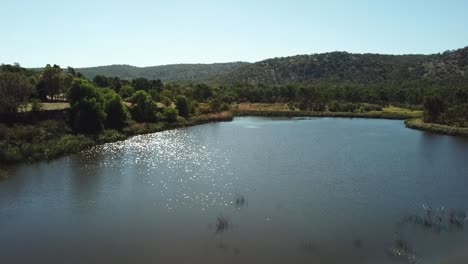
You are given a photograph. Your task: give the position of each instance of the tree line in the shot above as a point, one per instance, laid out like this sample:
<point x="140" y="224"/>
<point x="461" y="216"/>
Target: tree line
<point x="112" y="102"/>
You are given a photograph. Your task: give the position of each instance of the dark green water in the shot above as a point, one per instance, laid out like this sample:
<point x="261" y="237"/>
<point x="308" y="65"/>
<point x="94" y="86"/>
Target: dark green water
<point x="324" y="190"/>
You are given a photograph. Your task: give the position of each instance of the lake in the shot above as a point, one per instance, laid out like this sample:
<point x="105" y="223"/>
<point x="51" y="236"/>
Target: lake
<point x="255" y="190"/>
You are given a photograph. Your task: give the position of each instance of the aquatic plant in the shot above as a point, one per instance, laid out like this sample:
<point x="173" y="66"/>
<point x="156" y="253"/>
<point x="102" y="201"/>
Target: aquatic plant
<point x="222" y="224"/>
<point x="437" y="220"/>
<point x="240" y="201"/>
<point x="402" y="250"/>
<point x="456" y="219"/>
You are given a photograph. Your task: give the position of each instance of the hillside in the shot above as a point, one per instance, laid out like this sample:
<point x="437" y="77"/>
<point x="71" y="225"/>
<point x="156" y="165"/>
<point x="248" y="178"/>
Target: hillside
<point x="334" y="66"/>
<point x="347" y="67"/>
<point x="168" y="73"/>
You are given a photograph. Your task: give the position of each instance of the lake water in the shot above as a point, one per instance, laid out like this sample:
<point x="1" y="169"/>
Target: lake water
<point x="320" y="190"/>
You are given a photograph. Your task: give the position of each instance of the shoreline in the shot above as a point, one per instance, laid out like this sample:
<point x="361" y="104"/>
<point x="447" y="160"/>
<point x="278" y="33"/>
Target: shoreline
<point x="81" y="142"/>
<point x="110" y="136"/>
<point x="418" y="124"/>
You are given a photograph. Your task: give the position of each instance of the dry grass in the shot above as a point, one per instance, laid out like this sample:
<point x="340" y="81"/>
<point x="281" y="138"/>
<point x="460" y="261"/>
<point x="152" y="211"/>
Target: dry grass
<point x="49" y="106"/>
<point x="261" y="107"/>
<point x="245" y="109"/>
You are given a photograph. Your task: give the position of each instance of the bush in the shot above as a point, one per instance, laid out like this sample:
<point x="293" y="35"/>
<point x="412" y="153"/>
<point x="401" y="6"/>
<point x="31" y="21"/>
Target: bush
<point x="166" y="100"/>
<point x="215" y="105"/>
<point x="116" y="113"/>
<point x="170" y="115"/>
<point x="110" y="136"/>
<point x="69" y="144"/>
<point x="224" y="107"/>
<point x="12" y="154"/>
<point x="23" y="133"/>
<point x="143" y="108"/>
<point x="182" y="106"/>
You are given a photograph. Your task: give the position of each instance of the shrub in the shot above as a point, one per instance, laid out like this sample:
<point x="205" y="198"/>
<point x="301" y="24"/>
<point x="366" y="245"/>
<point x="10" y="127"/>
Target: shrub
<point x="215" y="105"/>
<point x="69" y="144"/>
<point x="12" y="154"/>
<point x="224" y="107"/>
<point x="170" y="114"/>
<point x="166" y="100"/>
<point x="182" y="106"/>
<point x="110" y="136"/>
<point x="23" y="133"/>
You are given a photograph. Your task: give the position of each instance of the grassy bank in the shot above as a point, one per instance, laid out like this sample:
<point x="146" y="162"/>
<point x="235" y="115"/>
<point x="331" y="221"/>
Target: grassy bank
<point x="281" y="110"/>
<point x="417" y="123"/>
<point x="53" y="138"/>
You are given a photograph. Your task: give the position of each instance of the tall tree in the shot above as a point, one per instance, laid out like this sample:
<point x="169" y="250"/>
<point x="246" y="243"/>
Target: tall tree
<point x="51" y="83"/>
<point x="15" y="90"/>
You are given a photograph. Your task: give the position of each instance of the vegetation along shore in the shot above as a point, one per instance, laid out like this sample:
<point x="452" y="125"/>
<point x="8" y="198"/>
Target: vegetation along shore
<point x="49" y="112"/>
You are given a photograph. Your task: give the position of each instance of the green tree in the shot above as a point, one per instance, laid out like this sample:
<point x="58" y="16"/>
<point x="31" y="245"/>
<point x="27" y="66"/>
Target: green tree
<point x="433" y="108"/>
<point x="202" y="92"/>
<point x="126" y="91"/>
<point x="51" y="83"/>
<point x="88" y="116"/>
<point x="82" y="89"/>
<point x="101" y="81"/>
<point x="15" y="90"/>
<point x="87" y="107"/>
<point x="116" y="113"/>
<point x="182" y="106"/>
<point x="143" y="108"/>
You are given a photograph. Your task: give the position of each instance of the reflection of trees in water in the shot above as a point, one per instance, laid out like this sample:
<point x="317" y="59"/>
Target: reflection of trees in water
<point x="87" y="170"/>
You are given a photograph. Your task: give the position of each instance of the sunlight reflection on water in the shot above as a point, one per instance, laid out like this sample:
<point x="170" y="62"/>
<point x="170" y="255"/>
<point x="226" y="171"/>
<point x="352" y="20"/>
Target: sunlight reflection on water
<point x="181" y="168"/>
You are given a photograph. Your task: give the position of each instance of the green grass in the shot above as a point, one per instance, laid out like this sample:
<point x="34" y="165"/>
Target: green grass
<point x="417" y="123"/>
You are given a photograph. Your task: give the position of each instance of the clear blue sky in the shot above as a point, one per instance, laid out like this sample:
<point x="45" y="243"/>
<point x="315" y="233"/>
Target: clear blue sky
<point x="149" y="32"/>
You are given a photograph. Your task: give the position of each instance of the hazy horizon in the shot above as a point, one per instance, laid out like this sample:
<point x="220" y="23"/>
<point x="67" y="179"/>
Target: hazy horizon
<point x="144" y="33"/>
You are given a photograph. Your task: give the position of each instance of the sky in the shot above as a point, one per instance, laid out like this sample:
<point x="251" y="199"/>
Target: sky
<point x="83" y="33"/>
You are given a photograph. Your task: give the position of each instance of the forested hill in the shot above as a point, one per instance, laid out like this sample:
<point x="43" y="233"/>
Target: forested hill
<point x="167" y="73"/>
<point x="348" y="67"/>
<point x="339" y="67"/>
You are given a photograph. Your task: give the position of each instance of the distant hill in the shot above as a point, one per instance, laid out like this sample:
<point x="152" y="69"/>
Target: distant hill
<point x="168" y="73"/>
<point x="336" y="67"/>
<point x="348" y="67"/>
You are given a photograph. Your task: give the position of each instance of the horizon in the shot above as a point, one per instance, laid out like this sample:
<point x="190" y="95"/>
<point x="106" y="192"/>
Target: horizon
<point x="146" y="34"/>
